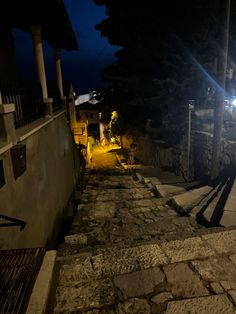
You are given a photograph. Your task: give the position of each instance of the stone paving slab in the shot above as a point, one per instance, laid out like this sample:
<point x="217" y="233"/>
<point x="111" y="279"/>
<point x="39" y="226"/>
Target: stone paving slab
<point x="231" y="200"/>
<point x="232" y="293"/>
<point x="95" y="294"/>
<point x="187" y="249"/>
<point x="209" y="203"/>
<point x="120" y="194"/>
<point x="222" y="242"/>
<point x="133" y="306"/>
<point x="144" y="203"/>
<point x="97" y="210"/>
<point x="215" y="304"/>
<point x="121" y="261"/>
<point x="78" y="270"/>
<point x="229" y="285"/>
<point x="165" y="190"/>
<point x="153" y="180"/>
<point x="164" y="176"/>
<point x="229" y="218"/>
<point x="106" y="180"/>
<point x="139" y="177"/>
<point x="139" y="283"/>
<point x="162" y="297"/>
<point x="233" y="258"/>
<point x="184" y="282"/>
<point x="76" y="239"/>
<point x="186" y="201"/>
<point x="217" y="268"/>
<point x="216" y="288"/>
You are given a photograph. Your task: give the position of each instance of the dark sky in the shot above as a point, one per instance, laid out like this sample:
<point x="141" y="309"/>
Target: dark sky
<point x="82" y="67"/>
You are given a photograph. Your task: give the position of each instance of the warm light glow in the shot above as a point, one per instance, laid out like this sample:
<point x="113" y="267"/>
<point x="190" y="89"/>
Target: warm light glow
<point x="114" y="115"/>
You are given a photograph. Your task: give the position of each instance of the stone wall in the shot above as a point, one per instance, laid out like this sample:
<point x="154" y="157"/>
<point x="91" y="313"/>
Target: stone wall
<point x="158" y="154"/>
<point x="40" y="194"/>
<point x="202" y="150"/>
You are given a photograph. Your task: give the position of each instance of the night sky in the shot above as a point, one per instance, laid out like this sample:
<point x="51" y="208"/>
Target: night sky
<point x="82" y="67"/>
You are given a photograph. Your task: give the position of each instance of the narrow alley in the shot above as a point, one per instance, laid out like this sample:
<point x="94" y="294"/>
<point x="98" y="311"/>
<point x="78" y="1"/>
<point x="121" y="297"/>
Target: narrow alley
<point x="128" y="251"/>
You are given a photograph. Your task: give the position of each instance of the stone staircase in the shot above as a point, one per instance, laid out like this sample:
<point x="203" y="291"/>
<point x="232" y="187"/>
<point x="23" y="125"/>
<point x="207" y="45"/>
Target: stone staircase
<point x="180" y="276"/>
<point x="211" y="205"/>
<point x="131" y="250"/>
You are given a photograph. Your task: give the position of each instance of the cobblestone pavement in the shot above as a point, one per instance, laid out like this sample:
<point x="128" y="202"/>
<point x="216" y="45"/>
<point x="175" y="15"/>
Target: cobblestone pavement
<point x="129" y="252"/>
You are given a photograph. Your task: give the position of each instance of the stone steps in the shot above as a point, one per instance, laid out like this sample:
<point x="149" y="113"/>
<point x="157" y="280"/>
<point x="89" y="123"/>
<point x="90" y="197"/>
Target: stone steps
<point x="167" y="277"/>
<point x="130" y="252"/>
<point x="165" y="177"/>
<point x="176" y="195"/>
<point x="165" y="190"/>
<point x="229" y="214"/>
<point x="186" y="201"/>
<point x="203" y="203"/>
<point x="207" y="206"/>
<point x="218" y="208"/>
<point x="101" y="217"/>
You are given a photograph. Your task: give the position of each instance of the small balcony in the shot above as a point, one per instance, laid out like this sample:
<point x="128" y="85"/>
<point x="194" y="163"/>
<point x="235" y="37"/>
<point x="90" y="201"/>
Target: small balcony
<point x="28" y="100"/>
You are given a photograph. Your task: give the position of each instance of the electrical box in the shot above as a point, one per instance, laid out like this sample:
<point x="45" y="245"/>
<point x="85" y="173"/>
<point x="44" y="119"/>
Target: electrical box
<point x="18" y="157"/>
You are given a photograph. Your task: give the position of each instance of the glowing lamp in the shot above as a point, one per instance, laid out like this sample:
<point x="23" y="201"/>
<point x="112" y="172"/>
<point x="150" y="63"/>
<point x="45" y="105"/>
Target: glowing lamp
<point x="234" y="102"/>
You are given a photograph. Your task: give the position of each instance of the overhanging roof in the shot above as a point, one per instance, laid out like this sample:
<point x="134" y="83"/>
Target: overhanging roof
<point x="50" y="14"/>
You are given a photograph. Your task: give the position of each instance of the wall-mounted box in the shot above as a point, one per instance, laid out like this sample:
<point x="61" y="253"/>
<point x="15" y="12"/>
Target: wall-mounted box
<point x="18" y="157"/>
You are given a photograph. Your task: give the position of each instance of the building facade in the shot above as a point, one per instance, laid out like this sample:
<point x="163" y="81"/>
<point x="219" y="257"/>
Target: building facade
<point x="38" y="158"/>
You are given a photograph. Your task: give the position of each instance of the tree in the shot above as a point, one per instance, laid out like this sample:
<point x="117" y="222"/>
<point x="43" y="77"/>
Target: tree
<point x="219" y="108"/>
<point x="116" y="126"/>
<point x="159" y="64"/>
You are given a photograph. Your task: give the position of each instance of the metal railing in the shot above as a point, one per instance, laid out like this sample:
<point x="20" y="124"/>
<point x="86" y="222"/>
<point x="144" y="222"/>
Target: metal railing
<point x="53" y="92"/>
<point x="6" y="221"/>
<point x="28" y="100"/>
<point x="18" y="271"/>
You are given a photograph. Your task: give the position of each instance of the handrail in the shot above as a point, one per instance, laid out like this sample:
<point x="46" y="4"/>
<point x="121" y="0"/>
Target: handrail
<point x="13" y="222"/>
<point x="28" y="100"/>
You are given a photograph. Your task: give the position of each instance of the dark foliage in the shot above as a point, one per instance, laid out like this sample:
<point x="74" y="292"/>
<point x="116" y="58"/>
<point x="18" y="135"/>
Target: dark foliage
<point x="167" y="56"/>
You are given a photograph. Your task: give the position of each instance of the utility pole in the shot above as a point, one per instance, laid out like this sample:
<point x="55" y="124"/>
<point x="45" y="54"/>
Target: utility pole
<point x="190" y="109"/>
<point x="220" y="94"/>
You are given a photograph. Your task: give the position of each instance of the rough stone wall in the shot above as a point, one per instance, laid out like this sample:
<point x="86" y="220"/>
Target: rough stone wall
<point x="202" y="150"/>
<point x="159" y="155"/>
<point x="175" y="158"/>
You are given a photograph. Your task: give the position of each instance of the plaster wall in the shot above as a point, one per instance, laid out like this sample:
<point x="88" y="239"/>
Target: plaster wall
<point x="41" y="193"/>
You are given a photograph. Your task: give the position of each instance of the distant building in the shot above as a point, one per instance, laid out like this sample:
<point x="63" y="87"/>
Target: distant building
<point x="89" y="121"/>
<point x="90" y="97"/>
